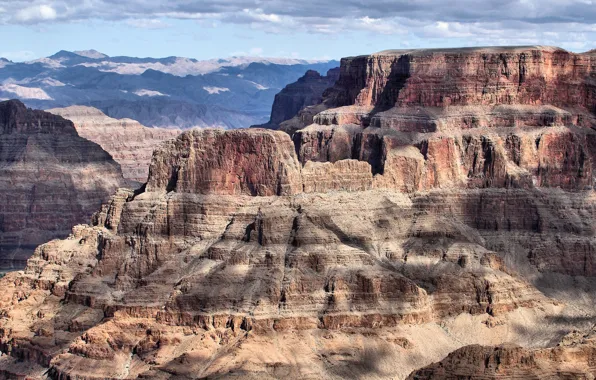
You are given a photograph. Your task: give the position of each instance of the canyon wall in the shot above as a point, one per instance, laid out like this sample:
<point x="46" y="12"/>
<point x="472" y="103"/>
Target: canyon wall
<point x="391" y="231"/>
<point x="51" y="179"/>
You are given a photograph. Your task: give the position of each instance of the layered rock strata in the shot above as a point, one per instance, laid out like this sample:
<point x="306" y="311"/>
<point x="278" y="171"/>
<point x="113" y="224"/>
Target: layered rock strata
<point x="573" y="358"/>
<point x="127" y="141"/>
<point x="50" y="179"/>
<point x="353" y="249"/>
<point x="193" y="254"/>
<point x="485" y="117"/>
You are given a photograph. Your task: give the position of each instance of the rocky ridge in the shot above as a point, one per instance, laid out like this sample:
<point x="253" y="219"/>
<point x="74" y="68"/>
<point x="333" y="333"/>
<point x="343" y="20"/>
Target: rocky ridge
<point x="171" y="92"/>
<point x="344" y="250"/>
<point x="130" y="143"/>
<point x="306" y="91"/>
<point x="50" y="179"/>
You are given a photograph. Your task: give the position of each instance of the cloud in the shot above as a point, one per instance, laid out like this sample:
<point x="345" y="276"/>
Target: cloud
<point x="486" y="21"/>
<point x="35" y="13"/>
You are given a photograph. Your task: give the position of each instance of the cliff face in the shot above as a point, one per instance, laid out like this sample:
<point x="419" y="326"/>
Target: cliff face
<point x="306" y="91"/>
<point x="50" y="180"/>
<point x="372" y="243"/>
<point x="486" y="117"/>
<point x="231" y="163"/>
<point x="470" y="76"/>
<point x="127" y="141"/>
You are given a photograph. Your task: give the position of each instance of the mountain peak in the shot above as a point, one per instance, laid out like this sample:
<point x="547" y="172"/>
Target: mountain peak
<point x="93" y="54"/>
<point x="63" y="54"/>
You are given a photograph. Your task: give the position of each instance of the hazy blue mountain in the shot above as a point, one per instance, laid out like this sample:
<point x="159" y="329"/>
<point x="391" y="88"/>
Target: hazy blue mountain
<point x="166" y="92"/>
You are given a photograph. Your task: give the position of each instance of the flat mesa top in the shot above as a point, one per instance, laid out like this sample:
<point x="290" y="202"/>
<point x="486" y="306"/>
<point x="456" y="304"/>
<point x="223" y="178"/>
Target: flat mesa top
<point x="475" y="49"/>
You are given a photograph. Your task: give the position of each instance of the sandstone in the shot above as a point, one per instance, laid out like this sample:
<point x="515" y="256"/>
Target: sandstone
<point x="207" y="260"/>
<point x="344" y="175"/>
<point x="226" y="162"/>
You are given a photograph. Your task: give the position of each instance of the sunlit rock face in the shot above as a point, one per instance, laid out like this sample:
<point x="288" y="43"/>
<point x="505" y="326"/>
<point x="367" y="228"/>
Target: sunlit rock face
<point x="395" y="228"/>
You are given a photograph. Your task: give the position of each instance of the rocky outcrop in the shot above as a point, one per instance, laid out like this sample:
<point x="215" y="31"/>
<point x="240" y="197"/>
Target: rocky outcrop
<point x="306" y="91"/>
<point x="127" y="141"/>
<point x="226" y="162"/>
<point x="50" y="180"/>
<point x="573" y="358"/>
<point x="370" y="244"/>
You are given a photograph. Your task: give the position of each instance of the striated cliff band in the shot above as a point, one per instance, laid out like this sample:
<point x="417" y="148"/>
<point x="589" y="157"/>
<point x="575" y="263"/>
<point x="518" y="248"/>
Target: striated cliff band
<point x="439" y="203"/>
<point x="50" y="179"/>
<point x="127" y="141"/>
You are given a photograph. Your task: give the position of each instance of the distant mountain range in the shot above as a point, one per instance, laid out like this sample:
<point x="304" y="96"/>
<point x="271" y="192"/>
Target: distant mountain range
<point x="170" y="92"/>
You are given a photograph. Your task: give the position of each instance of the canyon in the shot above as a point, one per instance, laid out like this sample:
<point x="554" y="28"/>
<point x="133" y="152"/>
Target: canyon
<point x="50" y="179"/>
<point x="431" y="217"/>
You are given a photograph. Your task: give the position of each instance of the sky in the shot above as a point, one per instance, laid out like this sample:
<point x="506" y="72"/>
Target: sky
<point x="308" y="29"/>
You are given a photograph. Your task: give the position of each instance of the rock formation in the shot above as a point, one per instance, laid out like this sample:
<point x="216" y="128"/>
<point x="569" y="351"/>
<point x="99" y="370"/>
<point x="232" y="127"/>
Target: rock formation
<point x="127" y="141"/>
<point x="392" y="231"/>
<point x="306" y="91"/>
<point x="50" y="180"/>
<point x="573" y="358"/>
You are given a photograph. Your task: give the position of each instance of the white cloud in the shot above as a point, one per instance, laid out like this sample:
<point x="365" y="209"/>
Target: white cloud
<point x="36" y="13"/>
<point x="259" y="15"/>
<point x="378" y="25"/>
<point x="435" y="22"/>
<point x="252" y="52"/>
<point x="256" y="51"/>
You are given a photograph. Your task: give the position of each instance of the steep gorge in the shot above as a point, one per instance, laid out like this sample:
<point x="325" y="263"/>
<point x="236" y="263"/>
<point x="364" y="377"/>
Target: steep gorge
<point x="398" y="227"/>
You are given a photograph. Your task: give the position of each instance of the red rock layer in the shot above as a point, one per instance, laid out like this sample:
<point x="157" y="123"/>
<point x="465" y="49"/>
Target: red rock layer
<point x="226" y="162"/>
<point x="469" y="76"/>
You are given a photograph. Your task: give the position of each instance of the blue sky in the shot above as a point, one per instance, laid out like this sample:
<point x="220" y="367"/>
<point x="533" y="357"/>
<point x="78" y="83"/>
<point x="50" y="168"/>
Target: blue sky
<point x="280" y="28"/>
